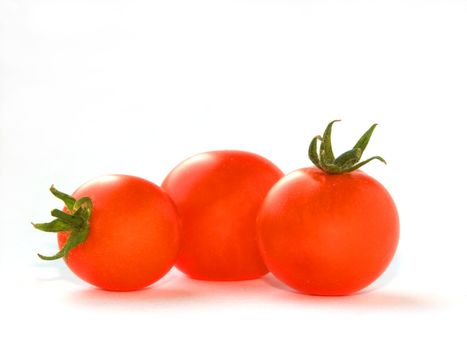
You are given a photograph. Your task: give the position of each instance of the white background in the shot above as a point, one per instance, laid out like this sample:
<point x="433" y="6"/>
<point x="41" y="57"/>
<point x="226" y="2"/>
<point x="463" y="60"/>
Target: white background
<point x="97" y="87"/>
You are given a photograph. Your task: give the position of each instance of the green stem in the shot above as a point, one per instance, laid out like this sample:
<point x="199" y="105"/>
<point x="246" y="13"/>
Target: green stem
<point x="347" y="161"/>
<point x="76" y="222"/>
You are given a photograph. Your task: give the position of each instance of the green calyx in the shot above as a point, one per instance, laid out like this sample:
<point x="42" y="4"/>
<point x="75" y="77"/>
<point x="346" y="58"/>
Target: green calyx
<point x="347" y="161"/>
<point x="76" y="221"/>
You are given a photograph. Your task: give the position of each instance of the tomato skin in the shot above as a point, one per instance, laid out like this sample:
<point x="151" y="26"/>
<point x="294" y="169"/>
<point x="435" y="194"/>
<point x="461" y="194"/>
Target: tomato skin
<point x="327" y="234"/>
<point x="134" y="234"/>
<point x="218" y="195"/>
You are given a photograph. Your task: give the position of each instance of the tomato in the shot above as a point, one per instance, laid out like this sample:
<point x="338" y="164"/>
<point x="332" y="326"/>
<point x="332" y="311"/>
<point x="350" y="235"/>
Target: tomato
<point x="328" y="231"/>
<point x="218" y="195"/>
<point x="133" y="233"/>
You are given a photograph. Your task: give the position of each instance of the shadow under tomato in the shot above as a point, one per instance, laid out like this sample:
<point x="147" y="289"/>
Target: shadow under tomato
<point x="372" y="298"/>
<point x="150" y="297"/>
<point x="161" y="293"/>
<point x="174" y="289"/>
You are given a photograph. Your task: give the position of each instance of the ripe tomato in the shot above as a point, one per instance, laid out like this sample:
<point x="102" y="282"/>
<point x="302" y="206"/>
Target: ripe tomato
<point x="133" y="236"/>
<point x="218" y="195"/>
<point x="327" y="232"/>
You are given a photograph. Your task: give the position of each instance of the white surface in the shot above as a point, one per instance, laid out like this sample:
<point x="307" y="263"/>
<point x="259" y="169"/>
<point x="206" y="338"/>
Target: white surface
<point x="97" y="87"/>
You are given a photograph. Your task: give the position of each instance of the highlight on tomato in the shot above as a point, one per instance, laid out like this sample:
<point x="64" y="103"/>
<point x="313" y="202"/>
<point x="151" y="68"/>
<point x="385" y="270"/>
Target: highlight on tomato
<point x="117" y="232"/>
<point x="218" y="195"/>
<point x="329" y="229"/>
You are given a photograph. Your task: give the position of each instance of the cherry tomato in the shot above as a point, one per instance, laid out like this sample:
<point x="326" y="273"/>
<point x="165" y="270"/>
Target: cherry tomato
<point x="328" y="231"/>
<point x="218" y="195"/>
<point x="133" y="236"/>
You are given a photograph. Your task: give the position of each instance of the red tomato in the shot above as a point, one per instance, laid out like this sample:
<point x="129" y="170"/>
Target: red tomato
<point x="328" y="234"/>
<point x="133" y="235"/>
<point x="218" y="195"/>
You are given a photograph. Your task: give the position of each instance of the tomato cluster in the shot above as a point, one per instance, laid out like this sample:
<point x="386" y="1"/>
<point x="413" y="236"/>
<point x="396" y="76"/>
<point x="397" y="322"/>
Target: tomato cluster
<point x="231" y="215"/>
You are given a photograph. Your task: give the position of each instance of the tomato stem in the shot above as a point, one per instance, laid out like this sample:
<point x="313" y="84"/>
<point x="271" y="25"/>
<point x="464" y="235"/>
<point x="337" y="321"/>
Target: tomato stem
<point x="347" y="161"/>
<point x="76" y="222"/>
